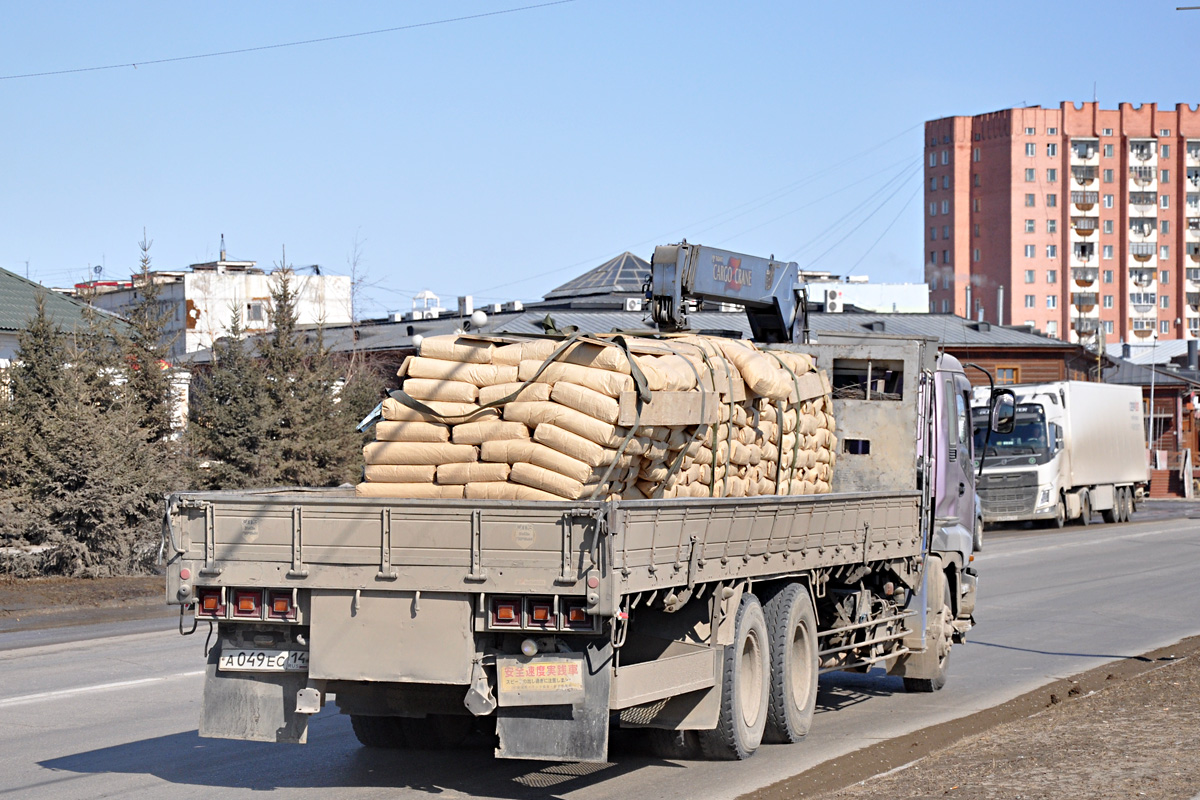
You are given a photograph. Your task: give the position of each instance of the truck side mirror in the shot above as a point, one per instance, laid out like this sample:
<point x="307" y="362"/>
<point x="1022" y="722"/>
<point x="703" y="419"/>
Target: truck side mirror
<point x="1003" y="411"/>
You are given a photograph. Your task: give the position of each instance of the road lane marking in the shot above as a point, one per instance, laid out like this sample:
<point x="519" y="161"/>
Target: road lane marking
<point x="22" y="700"/>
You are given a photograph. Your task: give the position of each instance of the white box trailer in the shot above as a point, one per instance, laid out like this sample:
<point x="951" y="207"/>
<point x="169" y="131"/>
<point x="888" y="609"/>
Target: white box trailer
<point x="1077" y="448"/>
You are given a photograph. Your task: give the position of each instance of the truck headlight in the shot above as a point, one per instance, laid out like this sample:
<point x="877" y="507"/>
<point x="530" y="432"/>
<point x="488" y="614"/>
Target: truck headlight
<point x="1044" y="499"/>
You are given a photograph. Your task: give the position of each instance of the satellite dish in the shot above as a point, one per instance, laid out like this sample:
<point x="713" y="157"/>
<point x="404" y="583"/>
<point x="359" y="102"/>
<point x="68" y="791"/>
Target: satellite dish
<point x="479" y="319"/>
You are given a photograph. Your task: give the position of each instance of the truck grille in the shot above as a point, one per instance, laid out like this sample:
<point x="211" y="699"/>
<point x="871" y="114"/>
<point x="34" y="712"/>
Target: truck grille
<point x="1006" y="495"/>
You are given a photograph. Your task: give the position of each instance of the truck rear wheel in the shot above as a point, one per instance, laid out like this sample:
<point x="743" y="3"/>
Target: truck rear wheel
<point x="745" y="683"/>
<point x="939" y="616"/>
<point x="1085" y="509"/>
<point x="1116" y="513"/>
<point x="383" y="733"/>
<point x="792" y="633"/>
<point x="434" y="732"/>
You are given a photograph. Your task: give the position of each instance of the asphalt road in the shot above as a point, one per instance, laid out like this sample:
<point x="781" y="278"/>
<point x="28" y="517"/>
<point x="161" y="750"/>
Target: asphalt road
<point x="115" y="712"/>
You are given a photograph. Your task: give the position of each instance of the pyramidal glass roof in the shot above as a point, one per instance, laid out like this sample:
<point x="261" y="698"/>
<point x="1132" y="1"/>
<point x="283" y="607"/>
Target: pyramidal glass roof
<point x="621" y="275"/>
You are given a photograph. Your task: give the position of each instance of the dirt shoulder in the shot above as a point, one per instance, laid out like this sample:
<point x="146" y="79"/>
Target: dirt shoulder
<point x="35" y="603"/>
<point x="1126" y="729"/>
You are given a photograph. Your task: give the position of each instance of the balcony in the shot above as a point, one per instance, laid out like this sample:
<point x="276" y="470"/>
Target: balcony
<point x="1085" y="200"/>
<point x="1193" y="153"/>
<point x="1141" y="276"/>
<point x="1192" y="249"/>
<point x="1084" y="251"/>
<point x="1143" y="302"/>
<point x="1084" y="226"/>
<point x="1143" y="199"/>
<point x="1193" y="177"/>
<point x="1084" y="301"/>
<point x="1193" y="274"/>
<point x="1193" y="300"/>
<point x="1142" y="151"/>
<point x="1142" y="251"/>
<point x="1085" y="149"/>
<point x="1086" y="326"/>
<point x="1193" y="223"/>
<point x="1142" y="175"/>
<point x="1143" y="226"/>
<point x="1083" y="175"/>
<point x="1142" y="328"/>
<point x="1084" y="276"/>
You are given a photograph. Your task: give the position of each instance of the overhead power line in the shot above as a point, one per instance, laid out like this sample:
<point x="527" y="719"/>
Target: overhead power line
<point x="281" y="45"/>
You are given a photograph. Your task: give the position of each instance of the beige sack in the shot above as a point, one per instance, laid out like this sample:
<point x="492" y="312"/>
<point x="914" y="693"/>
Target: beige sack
<point x="496" y="490"/>
<point x="448" y="474"/>
<point x="452" y="348"/>
<point x="395" y="411"/>
<point x="512" y="452"/>
<point x="418" y="491"/>
<point x="411" y="432"/>
<point x="418" y="453"/>
<point x="449" y="391"/>
<point x="405" y="473"/>
<point x="531" y="393"/>
<point x="532" y="414"/>
<point x="532" y="350"/>
<point x="478" y="374"/>
<point x="600" y="380"/>
<point x="762" y="374"/>
<point x="488" y="431"/>
<point x="573" y="444"/>
<point x="589" y="401"/>
<point x="547" y="481"/>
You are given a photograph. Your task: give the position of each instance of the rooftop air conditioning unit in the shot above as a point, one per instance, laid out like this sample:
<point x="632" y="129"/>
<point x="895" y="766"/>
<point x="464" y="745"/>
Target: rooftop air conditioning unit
<point x="834" y="301"/>
<point x="633" y="304"/>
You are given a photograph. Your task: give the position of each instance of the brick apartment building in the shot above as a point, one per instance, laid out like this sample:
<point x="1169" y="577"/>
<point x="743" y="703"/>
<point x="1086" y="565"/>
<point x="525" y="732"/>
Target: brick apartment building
<point x="1078" y="220"/>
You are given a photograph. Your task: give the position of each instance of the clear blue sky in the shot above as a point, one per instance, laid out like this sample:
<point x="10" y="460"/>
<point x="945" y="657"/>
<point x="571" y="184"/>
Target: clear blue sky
<point x="502" y="156"/>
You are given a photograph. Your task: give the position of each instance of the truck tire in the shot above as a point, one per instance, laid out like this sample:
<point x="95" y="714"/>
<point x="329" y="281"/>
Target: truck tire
<point x="939" y="615"/>
<point x="792" y="633"/>
<point x="1060" y="515"/>
<point x="680" y="745"/>
<point x="383" y="733"/>
<point x="1116" y="513"/>
<point x="1085" y="509"/>
<point x="977" y="535"/>
<point x="1130" y="504"/>
<point x="745" y="683"/>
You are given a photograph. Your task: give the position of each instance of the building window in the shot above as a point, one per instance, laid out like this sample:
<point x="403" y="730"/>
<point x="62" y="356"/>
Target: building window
<point x="975" y="179"/>
<point x="1052" y="329"/>
<point x="945" y="306"/>
<point x="1166" y="176"/>
<point x="945" y="281"/>
<point x="1164" y="326"/>
<point x="1108" y="273"/>
<point x="1166" y="152"/>
<point x="945" y="256"/>
<point x="1165" y="132"/>
<point x="976" y="229"/>
<point x="1108" y="226"/>
<point x="1106" y="132"/>
<point x="945" y="231"/>
<point x="1029" y="201"/>
<point x="945" y="157"/>
<point x="1030" y="251"/>
<point x="1108" y="176"/>
<point x="1030" y="175"/>
<point x="1164" y="301"/>
<point x="975" y="154"/>
<point x="1051" y="176"/>
<point x="1108" y="254"/>
<point x="1030" y="131"/>
<point x="1030" y="226"/>
<point x="1108" y="301"/>
<point x="1108" y="148"/>
<point x="1051" y="301"/>
<point x="1051" y="150"/>
<point x="1108" y="201"/>
<point x="1051" y="251"/>
<point x="933" y="159"/>
<point x="1166" y="226"/>
<point x="975" y="204"/>
<point x="933" y="209"/>
<point x="1051" y="131"/>
<point x="1007" y="376"/>
<point x="1164" y="253"/>
<point x="945" y="206"/>
<point x="1031" y="301"/>
<point x="1029" y="276"/>
<point x="1164" y="201"/>
<point x="1030" y="149"/>
<point x="933" y="258"/>
<point x="1051" y="276"/>
<point x="933" y="234"/>
<point x="976" y="254"/>
<point x="1051" y="226"/>
<point x="945" y="181"/>
<point x="1108" y="326"/>
<point x="933" y="184"/>
<point x="1051" y="201"/>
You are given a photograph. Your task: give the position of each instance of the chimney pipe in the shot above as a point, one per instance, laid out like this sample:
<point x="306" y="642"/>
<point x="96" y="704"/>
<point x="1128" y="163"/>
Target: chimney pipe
<point x="1125" y="350"/>
<point x="1000" y="305"/>
<point x="222" y="247"/>
<point x="1193" y="354"/>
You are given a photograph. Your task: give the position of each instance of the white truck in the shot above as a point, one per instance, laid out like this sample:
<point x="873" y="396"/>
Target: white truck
<point x="1076" y="448"/>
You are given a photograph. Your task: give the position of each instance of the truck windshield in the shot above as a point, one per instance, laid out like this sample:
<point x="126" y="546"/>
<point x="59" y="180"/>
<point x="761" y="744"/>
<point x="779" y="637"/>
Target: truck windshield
<point x="1027" y="438"/>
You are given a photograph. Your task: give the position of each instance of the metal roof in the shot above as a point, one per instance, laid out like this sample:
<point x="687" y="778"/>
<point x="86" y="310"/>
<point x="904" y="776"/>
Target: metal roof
<point x="18" y="303"/>
<point x="1131" y="373"/>
<point x="624" y="274"/>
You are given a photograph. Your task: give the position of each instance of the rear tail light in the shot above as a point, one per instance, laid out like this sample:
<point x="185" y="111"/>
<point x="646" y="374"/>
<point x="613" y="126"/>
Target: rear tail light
<point x="210" y="602"/>
<point x="247" y="603"/>
<point x="506" y="612"/>
<point x="280" y="606"/>
<point x="576" y="616"/>
<point x="541" y="615"/>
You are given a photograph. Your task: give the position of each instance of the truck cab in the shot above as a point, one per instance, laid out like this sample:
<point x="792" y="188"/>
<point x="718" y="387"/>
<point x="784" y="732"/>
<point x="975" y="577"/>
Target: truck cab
<point x="1021" y="469"/>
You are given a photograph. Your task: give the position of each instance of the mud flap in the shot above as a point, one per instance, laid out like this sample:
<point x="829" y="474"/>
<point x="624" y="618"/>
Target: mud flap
<point x="253" y="706"/>
<point x="574" y="732"/>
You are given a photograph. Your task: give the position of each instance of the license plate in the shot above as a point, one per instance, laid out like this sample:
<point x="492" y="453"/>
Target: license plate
<point x="264" y="660"/>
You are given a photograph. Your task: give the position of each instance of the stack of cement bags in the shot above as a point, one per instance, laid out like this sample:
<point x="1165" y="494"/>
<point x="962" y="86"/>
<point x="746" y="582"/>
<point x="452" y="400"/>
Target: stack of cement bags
<point x="544" y="419"/>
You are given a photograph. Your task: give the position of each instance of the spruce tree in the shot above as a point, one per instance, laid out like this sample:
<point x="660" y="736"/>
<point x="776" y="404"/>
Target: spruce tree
<point x="146" y="346"/>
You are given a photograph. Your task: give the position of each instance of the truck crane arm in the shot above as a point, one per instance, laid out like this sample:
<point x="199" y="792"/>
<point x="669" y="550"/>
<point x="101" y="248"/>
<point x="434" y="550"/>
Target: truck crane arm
<point x="769" y="290"/>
